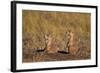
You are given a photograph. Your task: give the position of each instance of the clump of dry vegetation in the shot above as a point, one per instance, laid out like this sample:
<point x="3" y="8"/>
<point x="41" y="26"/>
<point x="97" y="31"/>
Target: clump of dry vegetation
<point x="39" y="24"/>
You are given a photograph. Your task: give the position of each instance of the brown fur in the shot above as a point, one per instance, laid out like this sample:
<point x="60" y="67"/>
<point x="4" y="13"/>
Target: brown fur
<point x="51" y="44"/>
<point x="72" y="43"/>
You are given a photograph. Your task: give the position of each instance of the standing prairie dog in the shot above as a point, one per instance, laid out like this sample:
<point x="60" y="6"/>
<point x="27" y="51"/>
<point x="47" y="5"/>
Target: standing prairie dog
<point x="51" y="46"/>
<point x="72" y="43"/>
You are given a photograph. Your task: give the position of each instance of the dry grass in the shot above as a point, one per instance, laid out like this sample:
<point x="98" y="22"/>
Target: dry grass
<point x="38" y="23"/>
